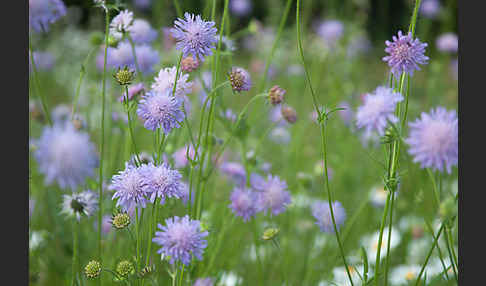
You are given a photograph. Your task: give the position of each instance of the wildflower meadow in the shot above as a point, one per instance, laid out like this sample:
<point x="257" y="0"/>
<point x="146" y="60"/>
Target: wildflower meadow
<point x="242" y="142"/>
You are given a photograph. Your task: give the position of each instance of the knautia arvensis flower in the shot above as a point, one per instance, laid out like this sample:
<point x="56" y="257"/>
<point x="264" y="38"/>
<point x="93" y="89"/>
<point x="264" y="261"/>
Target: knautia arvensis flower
<point x="244" y="203"/>
<point x="129" y="188"/>
<point x="121" y="24"/>
<point x="125" y="268"/>
<point x="79" y="204"/>
<point x="405" y="54"/>
<point x="276" y="95"/>
<point x="274" y="196"/>
<point x="165" y="79"/>
<point x="188" y="64"/>
<point x="43" y="13"/>
<point x="240" y="79"/>
<point x="322" y="213"/>
<point x="120" y="220"/>
<point x="160" y="110"/>
<point x="92" y="269"/>
<point x="194" y="36"/>
<point x="182" y="239"/>
<point x="124" y="76"/>
<point x="162" y="182"/>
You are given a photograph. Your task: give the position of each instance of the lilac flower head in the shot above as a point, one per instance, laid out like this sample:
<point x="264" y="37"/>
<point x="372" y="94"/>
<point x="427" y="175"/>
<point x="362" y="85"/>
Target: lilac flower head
<point x="161" y="182"/>
<point x="181" y="239"/>
<point x="378" y="108"/>
<point x="330" y="31"/>
<point x="257" y="181"/>
<point x="405" y="54"/>
<point x="147" y="57"/>
<point x="322" y="213"/>
<point x="194" y="36"/>
<point x="244" y="203"/>
<point x="142" y="4"/>
<point x="447" y="42"/>
<point x="240" y="79"/>
<point x="121" y="56"/>
<point x="274" y="196"/>
<point x="433" y="139"/>
<point x="160" y="110"/>
<point x="180" y="158"/>
<point x="240" y="8"/>
<point x="430" y="8"/>
<point x="121" y="23"/>
<point x="65" y="155"/>
<point x="129" y="188"/>
<point x="347" y="114"/>
<point x="78" y="204"/>
<point x="42" y="13"/>
<point x="235" y="171"/>
<point x="42" y="60"/>
<point x="166" y="79"/>
<point x="204" y="282"/>
<point x="141" y="32"/>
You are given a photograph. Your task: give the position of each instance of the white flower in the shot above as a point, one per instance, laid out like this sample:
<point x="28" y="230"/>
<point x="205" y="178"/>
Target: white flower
<point x="371" y="243"/>
<point x="37" y="239"/>
<point x="229" y="279"/>
<point x="404" y="274"/>
<point x="121" y="23"/>
<point x="378" y="196"/>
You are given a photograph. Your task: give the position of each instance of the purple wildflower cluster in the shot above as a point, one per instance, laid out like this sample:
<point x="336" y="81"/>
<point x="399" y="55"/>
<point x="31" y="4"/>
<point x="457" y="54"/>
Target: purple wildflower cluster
<point x="42" y="13"/>
<point x="160" y="110"/>
<point x="322" y="213"/>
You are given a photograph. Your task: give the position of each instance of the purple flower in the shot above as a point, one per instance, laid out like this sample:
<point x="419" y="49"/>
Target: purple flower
<point x="277" y="117"/>
<point x="322" y="213"/>
<point x="330" y="31"/>
<point x="274" y="196"/>
<point x="204" y="282"/>
<point x="129" y="188"/>
<point x="42" y="60"/>
<point x="378" y="108"/>
<point x="257" y="181"/>
<point x="142" y="4"/>
<point x="65" y="155"/>
<point x="180" y="158"/>
<point x="240" y="79"/>
<point x="347" y="114"/>
<point x="235" y="171"/>
<point x="141" y="32"/>
<point x="166" y="79"/>
<point x="160" y="110"/>
<point x="161" y="182"/>
<point x="181" y="239"/>
<point x="244" y="203"/>
<point x="447" y="42"/>
<point x="121" y="23"/>
<point x="42" y="13"/>
<point x="147" y="57"/>
<point x="430" y="8"/>
<point x="78" y="204"/>
<point x="240" y="8"/>
<point x="405" y="54"/>
<point x="433" y="139"/>
<point x="194" y="36"/>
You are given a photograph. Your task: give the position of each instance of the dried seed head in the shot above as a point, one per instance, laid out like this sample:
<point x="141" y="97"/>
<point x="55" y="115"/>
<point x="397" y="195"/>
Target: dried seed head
<point x="189" y="64"/>
<point x="120" y="220"/>
<point x="92" y="269"/>
<point x="240" y="79"/>
<point x="276" y="95"/>
<point x="124" y="76"/>
<point x="289" y="114"/>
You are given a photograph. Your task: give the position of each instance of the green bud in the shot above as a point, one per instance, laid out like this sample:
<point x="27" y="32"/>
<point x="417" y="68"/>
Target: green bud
<point x="270" y="233"/>
<point x="120" y="220"/>
<point x="124" y="76"/>
<point x="92" y="269"/>
<point x="125" y="268"/>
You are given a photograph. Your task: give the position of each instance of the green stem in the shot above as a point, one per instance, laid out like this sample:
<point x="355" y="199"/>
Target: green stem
<point x="451" y="243"/>
<point x="82" y="73"/>
<point x="102" y="139"/>
<point x="75" y="251"/>
<point x="130" y="128"/>
<point x="380" y="237"/>
<point x="436" y="238"/>
<point x="37" y="85"/>
<point x="132" y="45"/>
<point x="137" y="230"/>
<point x="178" y="8"/>
<point x="431" y="230"/>
<point x="434" y="185"/>
<point x="389" y="239"/>
<point x="149" y="236"/>
<point x="451" y="258"/>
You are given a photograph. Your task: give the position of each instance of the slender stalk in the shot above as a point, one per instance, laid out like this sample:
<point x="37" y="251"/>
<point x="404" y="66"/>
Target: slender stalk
<point x="132" y="45"/>
<point x="178" y="8"/>
<point x="380" y="237"/>
<point x="82" y="73"/>
<point x="431" y="230"/>
<point x="434" y="185"/>
<point x="182" y="274"/>
<point x="137" y="230"/>
<point x="130" y="128"/>
<point x="75" y="251"/>
<point x="102" y="139"/>
<point x="451" y="243"/>
<point x="451" y="258"/>
<point x="37" y="85"/>
<point x="151" y="224"/>
<point x="389" y="239"/>
<point x="323" y="142"/>
<point x="436" y="238"/>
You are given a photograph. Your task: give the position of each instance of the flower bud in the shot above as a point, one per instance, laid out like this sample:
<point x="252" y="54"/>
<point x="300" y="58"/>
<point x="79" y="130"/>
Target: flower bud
<point x="289" y="114"/>
<point x="189" y="64"/>
<point x="92" y="269"/>
<point x="270" y="233"/>
<point x="125" y="268"/>
<point x="124" y="76"/>
<point x="276" y="95"/>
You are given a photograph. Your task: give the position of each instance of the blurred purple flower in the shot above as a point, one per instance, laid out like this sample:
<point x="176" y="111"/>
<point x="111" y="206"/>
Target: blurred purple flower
<point x="447" y="42"/>
<point x="244" y="203"/>
<point x="42" y="13"/>
<point x="240" y="8"/>
<point x="322" y="213"/>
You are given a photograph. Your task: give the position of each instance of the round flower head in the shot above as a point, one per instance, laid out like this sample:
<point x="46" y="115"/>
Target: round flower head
<point x="405" y="54"/>
<point x="121" y="23"/>
<point x="92" y="269"/>
<point x="181" y="239"/>
<point x="42" y="13"/>
<point x="276" y="95"/>
<point x="188" y="64"/>
<point x="160" y="110"/>
<point x="244" y="203"/>
<point x="125" y="268"/>
<point x="378" y="108"/>
<point x="78" y="204"/>
<point x="65" y="155"/>
<point x="129" y="188"/>
<point x="235" y="171"/>
<point x="120" y="220"/>
<point x="204" y="282"/>
<point x="322" y="213"/>
<point x="240" y="79"/>
<point x="43" y="61"/>
<point x="166" y="79"/>
<point x="430" y="8"/>
<point x="161" y="182"/>
<point x="141" y="32"/>
<point x="121" y="56"/>
<point x="433" y="139"/>
<point x="147" y="57"/>
<point x="447" y="42"/>
<point x="194" y="36"/>
<point x="289" y="114"/>
<point x="240" y="8"/>
<point x="274" y="196"/>
<point x="330" y="31"/>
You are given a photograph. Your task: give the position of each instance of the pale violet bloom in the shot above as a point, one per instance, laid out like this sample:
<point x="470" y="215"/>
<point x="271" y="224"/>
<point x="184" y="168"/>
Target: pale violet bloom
<point x="166" y="79"/>
<point x="121" y="24"/>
